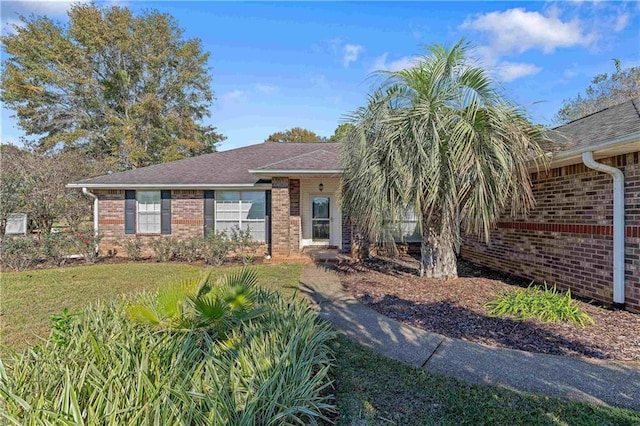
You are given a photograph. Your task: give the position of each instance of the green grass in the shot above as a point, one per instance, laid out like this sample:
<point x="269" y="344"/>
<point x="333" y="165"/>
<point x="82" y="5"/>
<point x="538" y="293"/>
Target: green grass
<point x="371" y="389"/>
<point x="29" y="298"/>
<point x="374" y="390"/>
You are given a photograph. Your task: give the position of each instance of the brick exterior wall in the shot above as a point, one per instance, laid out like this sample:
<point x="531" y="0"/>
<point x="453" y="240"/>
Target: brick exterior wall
<point x="294" y="210"/>
<point x="567" y="239"/>
<point x="187" y="219"/>
<point x="280" y="218"/>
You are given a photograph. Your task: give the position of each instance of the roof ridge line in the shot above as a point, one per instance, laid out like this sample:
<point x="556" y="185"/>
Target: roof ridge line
<point x="292" y="158"/>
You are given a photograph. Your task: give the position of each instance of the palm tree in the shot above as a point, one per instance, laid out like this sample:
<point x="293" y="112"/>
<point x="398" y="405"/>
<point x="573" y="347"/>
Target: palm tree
<point x="438" y="139"/>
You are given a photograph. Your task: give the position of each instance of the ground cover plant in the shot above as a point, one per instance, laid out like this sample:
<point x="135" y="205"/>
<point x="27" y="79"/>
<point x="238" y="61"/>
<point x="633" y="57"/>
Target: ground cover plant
<point x="231" y="367"/>
<point x="546" y="304"/>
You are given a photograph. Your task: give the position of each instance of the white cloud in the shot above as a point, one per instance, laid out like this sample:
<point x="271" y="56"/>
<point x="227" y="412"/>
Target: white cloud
<point x="516" y="31"/>
<point x="267" y="89"/>
<point x="381" y="64"/>
<point x="622" y="21"/>
<point x="350" y="53"/>
<point x="509" y="71"/>
<point x="234" y="96"/>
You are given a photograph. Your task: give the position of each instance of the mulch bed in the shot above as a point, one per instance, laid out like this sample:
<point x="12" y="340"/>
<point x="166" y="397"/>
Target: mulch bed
<point x="455" y="308"/>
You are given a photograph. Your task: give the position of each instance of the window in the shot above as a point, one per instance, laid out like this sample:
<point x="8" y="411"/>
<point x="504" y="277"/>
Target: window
<point x="406" y="230"/>
<point x="148" y="212"/>
<point x="244" y="209"/>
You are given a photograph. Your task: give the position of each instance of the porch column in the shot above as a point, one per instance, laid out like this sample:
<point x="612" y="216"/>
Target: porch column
<point x="294" y="211"/>
<point x="280" y="217"/>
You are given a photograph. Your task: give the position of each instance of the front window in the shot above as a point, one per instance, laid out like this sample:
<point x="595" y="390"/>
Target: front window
<point x="243" y="209"/>
<point x="148" y="212"/>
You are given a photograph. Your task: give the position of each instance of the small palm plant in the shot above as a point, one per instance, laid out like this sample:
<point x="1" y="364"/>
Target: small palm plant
<point x="198" y="304"/>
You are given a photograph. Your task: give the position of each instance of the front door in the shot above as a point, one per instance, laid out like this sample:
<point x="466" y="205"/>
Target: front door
<point x="320" y="219"/>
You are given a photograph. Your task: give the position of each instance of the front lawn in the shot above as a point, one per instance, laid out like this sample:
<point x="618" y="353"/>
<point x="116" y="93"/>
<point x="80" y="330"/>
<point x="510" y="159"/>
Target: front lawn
<point x="30" y="297"/>
<point x="369" y="388"/>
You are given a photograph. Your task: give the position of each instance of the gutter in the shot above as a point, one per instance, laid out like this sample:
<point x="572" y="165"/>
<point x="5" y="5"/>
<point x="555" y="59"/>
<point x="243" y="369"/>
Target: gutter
<point x="618" y="225"/>
<point x="96" y="222"/>
<point x="565" y="155"/>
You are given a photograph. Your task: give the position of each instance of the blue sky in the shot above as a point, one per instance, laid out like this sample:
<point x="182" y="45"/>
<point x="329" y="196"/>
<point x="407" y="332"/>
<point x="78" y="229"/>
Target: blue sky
<point x="286" y="64"/>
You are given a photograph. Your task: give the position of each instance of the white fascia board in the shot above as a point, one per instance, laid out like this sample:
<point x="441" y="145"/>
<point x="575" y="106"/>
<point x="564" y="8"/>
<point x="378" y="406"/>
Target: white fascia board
<point x="169" y="186"/>
<point x="628" y="143"/>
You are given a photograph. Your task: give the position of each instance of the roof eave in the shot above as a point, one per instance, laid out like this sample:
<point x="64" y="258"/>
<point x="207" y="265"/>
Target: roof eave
<point x="617" y="146"/>
<point x="265" y="173"/>
<point x="167" y="185"/>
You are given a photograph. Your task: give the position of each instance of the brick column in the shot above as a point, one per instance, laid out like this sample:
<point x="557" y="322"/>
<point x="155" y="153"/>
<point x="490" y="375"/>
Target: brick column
<point x="294" y="210"/>
<point x="280" y="217"/>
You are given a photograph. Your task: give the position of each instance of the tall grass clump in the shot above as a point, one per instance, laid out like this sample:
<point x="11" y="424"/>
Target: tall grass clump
<point x="270" y="369"/>
<point x="544" y="304"/>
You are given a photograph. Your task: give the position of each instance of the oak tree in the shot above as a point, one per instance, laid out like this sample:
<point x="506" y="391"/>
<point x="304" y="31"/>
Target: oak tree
<point x="128" y="89"/>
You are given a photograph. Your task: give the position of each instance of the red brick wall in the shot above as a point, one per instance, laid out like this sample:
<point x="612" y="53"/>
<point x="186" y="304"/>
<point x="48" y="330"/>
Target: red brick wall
<point x="280" y="217"/>
<point x="294" y="211"/>
<point x="187" y="218"/>
<point x="567" y="239"/>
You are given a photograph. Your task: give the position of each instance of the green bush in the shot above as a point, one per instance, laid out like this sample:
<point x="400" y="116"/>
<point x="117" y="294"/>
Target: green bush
<point x="56" y="247"/>
<point x="216" y="248"/>
<point x="243" y="244"/>
<point x="545" y="304"/>
<point x="273" y="369"/>
<point x="19" y="253"/>
<point x="86" y="245"/>
<point x="133" y="247"/>
<point x="164" y="248"/>
<point x="189" y="249"/>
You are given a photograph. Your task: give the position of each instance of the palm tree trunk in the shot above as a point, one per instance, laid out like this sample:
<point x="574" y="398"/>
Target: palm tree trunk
<point x="438" y="256"/>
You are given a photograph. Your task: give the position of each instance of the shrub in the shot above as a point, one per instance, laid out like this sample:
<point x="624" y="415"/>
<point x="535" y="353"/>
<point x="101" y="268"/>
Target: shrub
<point x="19" y="253"/>
<point x="86" y="245"/>
<point x="271" y="370"/>
<point x="216" y="248"/>
<point x="164" y="248"/>
<point x="243" y="244"/>
<point x="545" y="304"/>
<point x="190" y="249"/>
<point x="57" y="247"/>
<point x="133" y="247"/>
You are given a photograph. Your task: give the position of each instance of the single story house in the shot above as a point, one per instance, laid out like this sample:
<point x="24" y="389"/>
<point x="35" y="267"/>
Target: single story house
<point x="579" y="235"/>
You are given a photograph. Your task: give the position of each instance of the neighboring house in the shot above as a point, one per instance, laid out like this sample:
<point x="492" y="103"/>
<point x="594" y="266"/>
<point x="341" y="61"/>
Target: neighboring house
<point x="287" y="194"/>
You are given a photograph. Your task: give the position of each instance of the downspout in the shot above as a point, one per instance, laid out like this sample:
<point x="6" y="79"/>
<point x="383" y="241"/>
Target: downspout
<point x="96" y="232"/>
<point x="618" y="225"/>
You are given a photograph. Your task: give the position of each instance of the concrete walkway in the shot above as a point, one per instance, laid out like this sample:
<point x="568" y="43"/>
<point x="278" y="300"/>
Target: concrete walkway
<point x="596" y="382"/>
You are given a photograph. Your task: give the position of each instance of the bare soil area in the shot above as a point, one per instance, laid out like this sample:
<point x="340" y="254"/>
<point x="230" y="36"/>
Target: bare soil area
<point x="455" y="308"/>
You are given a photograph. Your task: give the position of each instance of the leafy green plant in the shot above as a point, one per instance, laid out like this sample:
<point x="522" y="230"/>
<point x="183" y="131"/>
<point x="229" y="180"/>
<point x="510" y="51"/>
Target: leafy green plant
<point x="19" y="253"/>
<point x="133" y="247"/>
<point x="61" y="326"/>
<point x="217" y="247"/>
<point x="164" y="248"/>
<point x="194" y="304"/>
<point x="272" y="370"/>
<point x="545" y="304"/>
<point x="243" y="244"/>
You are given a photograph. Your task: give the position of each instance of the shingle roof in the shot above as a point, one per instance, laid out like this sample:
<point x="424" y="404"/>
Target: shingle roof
<point x="605" y="125"/>
<point x="222" y="168"/>
<point x="318" y="160"/>
<point x="232" y="167"/>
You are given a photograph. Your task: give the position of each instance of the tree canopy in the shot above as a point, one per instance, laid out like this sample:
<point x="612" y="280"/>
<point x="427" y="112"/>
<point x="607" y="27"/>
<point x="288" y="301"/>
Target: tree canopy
<point x="127" y="89"/>
<point x="295" y="134"/>
<point x="341" y="131"/>
<point x="604" y="91"/>
<point x="440" y="140"/>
